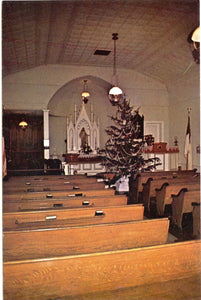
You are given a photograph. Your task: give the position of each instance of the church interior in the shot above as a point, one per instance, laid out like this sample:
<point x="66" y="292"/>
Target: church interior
<point x="101" y="149"/>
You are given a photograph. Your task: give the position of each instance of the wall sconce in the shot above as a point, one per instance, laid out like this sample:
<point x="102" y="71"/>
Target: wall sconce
<point x="23" y="125"/>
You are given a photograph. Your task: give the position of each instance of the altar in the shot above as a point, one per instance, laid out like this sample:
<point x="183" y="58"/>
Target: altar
<point x="82" y="144"/>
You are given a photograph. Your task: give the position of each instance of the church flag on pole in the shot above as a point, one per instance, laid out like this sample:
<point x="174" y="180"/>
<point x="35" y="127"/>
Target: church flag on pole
<point x="188" y="150"/>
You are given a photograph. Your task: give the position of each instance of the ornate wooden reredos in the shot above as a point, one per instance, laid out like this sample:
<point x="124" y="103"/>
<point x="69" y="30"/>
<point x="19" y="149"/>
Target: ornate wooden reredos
<point x="82" y="130"/>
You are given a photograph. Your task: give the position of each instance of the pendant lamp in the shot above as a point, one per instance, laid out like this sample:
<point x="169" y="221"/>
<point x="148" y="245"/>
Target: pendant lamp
<point x="85" y="93"/>
<point x="115" y="93"/>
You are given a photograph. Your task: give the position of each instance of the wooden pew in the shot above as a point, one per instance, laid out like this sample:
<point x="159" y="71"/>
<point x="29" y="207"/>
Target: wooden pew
<point x="144" y="176"/>
<point x="58" y="194"/>
<point x="182" y="203"/>
<point x="164" y="194"/>
<point x="72" y="217"/>
<point x="150" y="187"/>
<point x="45" y="180"/>
<point x="48" y="178"/>
<point x="60" y="203"/>
<point x="50" y="242"/>
<point x="54" y="187"/>
<point x="196" y="219"/>
<point x="139" y="179"/>
<point x="56" y="277"/>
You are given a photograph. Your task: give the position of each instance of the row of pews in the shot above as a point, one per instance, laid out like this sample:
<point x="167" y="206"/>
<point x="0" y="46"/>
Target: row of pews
<point x="177" y="190"/>
<point x="66" y="236"/>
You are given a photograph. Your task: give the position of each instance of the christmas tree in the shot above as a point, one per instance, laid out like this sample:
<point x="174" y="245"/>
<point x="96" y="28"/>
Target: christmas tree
<point x="124" y="148"/>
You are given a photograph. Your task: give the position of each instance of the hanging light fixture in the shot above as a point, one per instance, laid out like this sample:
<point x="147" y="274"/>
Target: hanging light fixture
<point x="194" y="41"/>
<point x="196" y="35"/>
<point x="23" y="124"/>
<point x="115" y="93"/>
<point x="85" y="93"/>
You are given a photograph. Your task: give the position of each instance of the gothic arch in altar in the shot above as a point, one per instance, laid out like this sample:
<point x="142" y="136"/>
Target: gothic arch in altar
<point x="82" y="130"/>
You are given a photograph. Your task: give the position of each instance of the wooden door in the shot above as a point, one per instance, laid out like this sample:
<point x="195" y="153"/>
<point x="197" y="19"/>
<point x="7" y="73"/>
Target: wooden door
<point x="24" y="147"/>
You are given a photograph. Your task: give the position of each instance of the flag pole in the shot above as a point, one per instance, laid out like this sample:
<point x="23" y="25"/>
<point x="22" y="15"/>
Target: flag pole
<point x="188" y="142"/>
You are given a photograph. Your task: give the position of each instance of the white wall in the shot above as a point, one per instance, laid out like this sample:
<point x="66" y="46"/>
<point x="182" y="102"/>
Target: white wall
<point x="34" y="88"/>
<point x="185" y="93"/>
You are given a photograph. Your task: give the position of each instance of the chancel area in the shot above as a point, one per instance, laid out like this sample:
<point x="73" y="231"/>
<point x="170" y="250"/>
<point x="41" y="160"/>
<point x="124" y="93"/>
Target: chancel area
<point x="101" y="150"/>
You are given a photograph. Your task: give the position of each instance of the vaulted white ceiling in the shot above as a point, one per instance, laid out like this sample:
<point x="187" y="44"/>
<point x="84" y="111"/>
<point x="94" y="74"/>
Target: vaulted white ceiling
<point x="152" y="34"/>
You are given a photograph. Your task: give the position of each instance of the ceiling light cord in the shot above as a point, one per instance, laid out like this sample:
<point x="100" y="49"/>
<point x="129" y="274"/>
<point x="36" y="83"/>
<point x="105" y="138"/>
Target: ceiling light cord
<point x="115" y="37"/>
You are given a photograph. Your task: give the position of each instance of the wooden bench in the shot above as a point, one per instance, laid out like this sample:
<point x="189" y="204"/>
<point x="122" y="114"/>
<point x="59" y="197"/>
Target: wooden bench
<point x="50" y="242"/>
<point x="56" y="277"/>
<point x="47" y="180"/>
<point x="164" y="194"/>
<point x="65" y="186"/>
<point x="182" y="203"/>
<point x="196" y="219"/>
<point x="139" y="179"/>
<point x="150" y="187"/>
<point x="72" y="217"/>
<point x="60" y="203"/>
<point x="58" y="194"/>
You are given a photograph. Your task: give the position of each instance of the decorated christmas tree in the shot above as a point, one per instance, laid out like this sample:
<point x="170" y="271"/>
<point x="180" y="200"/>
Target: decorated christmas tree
<point x="124" y="148"/>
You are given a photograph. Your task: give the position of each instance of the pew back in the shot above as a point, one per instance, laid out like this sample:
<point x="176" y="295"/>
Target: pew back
<point x="58" y="194"/>
<point x="143" y="177"/>
<point x="60" y="203"/>
<point x="150" y="187"/>
<point x="196" y="220"/>
<point x="61" y="186"/>
<point x="164" y="195"/>
<point x="72" y="217"/>
<point x="58" y="277"/>
<point x="182" y="203"/>
<point x="44" y="243"/>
